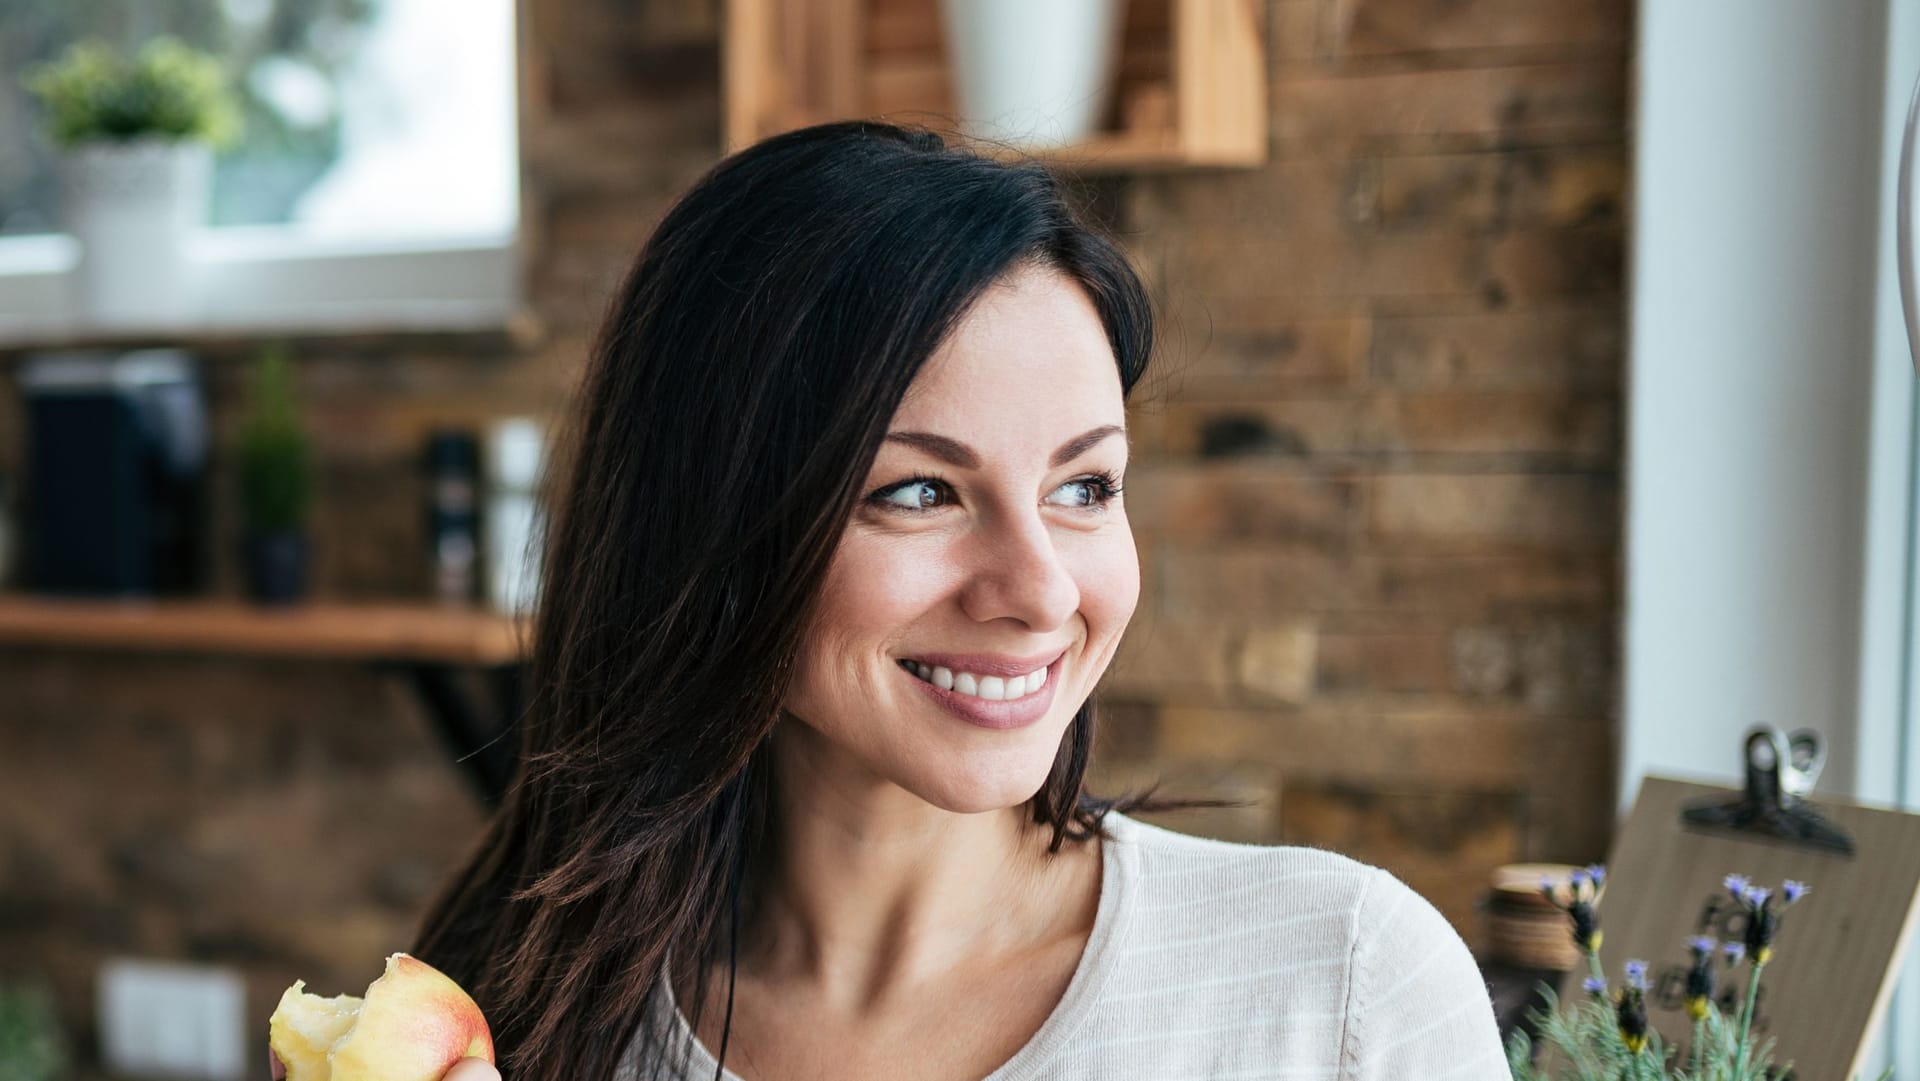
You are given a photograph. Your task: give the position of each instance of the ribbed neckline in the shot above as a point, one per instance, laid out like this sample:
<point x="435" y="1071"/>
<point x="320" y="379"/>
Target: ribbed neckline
<point x="1097" y="962"/>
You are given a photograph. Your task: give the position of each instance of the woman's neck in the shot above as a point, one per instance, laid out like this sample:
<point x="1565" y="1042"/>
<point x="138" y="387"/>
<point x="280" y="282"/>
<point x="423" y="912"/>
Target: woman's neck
<point x="869" y="890"/>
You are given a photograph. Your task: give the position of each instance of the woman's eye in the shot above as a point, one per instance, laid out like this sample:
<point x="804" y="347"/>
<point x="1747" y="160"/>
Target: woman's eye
<point x="913" y="495"/>
<point x="925" y="494"/>
<point x="1093" y="491"/>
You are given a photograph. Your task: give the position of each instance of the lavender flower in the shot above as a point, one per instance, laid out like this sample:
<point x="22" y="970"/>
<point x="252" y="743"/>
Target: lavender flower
<point x="1631" y="1014"/>
<point x="1762" y="923"/>
<point x="1763" y="915"/>
<point x="1700" y="976"/>
<point x="1578" y="904"/>
<point x="1613" y="1017"/>
<point x="1586" y="926"/>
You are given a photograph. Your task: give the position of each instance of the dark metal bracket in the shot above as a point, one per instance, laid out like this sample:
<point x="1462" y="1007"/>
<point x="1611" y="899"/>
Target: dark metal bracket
<point x="485" y="742"/>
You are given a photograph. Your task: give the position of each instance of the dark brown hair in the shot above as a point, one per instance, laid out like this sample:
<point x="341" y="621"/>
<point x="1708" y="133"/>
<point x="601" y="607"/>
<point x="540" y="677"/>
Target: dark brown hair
<point x="735" y="399"/>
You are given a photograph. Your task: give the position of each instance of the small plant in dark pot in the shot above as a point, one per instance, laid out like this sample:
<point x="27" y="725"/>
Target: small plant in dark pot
<point x="276" y="486"/>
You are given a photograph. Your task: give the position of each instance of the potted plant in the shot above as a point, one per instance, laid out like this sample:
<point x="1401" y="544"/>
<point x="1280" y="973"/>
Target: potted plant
<point x="276" y="486"/>
<point x="1606" y="1035"/>
<point x="32" y="1045"/>
<point x="137" y="138"/>
<point x="1033" y="75"/>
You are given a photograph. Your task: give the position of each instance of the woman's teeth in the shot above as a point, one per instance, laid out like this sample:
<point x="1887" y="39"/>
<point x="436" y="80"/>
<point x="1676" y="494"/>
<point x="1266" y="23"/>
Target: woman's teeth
<point x="991" y="688"/>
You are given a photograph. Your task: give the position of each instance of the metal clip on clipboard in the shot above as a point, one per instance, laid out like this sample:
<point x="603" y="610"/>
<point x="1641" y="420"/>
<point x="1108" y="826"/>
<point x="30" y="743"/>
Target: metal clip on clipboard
<point x="1781" y="770"/>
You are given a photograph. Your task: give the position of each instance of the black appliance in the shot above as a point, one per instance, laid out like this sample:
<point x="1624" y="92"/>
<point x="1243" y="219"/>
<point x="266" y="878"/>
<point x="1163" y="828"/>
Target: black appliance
<point x="116" y="474"/>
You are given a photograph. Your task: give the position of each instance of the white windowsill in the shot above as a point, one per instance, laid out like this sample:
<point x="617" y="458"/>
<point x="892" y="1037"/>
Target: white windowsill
<point x="275" y="280"/>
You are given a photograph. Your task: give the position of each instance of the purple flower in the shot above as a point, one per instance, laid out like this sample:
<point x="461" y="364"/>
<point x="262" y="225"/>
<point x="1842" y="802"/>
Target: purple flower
<point x="1792" y="890"/>
<point x="1548" y="884"/>
<point x="1577" y="879"/>
<point x="1737" y="885"/>
<point x="1598" y="873"/>
<point x="1702" y="945"/>
<point x="1734" y="951"/>
<point x="1594" y="985"/>
<point x="1637" y="975"/>
<point x="1757" y="896"/>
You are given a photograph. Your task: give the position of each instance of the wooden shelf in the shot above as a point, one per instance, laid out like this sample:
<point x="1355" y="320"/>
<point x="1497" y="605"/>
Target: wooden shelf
<point x="1192" y="77"/>
<point x="519" y="333"/>
<point x="320" y="630"/>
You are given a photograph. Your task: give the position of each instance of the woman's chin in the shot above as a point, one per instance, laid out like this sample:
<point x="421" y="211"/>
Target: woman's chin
<point x="963" y="793"/>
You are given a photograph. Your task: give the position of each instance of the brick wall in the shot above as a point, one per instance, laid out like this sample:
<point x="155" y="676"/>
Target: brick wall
<point x="1378" y="480"/>
<point x="292" y="819"/>
<point x="1376" y="489"/>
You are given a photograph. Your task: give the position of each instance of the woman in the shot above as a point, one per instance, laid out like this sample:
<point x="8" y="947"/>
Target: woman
<point x="837" y="562"/>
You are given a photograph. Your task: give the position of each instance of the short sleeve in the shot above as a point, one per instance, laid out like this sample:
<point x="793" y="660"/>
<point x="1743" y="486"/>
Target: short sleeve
<point x="1417" y="1004"/>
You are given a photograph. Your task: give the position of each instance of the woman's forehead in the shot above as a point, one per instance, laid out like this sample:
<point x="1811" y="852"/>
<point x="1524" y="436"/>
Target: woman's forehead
<point x="1034" y="334"/>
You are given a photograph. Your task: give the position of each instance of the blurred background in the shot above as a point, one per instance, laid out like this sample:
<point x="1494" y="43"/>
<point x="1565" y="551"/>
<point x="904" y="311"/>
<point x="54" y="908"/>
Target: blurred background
<point x="1534" y="414"/>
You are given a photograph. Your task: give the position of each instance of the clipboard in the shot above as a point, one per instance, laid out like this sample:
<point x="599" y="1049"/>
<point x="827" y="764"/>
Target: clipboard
<point x="1838" y="951"/>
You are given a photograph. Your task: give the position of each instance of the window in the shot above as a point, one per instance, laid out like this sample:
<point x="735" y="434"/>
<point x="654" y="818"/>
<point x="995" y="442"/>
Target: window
<point x="374" y="182"/>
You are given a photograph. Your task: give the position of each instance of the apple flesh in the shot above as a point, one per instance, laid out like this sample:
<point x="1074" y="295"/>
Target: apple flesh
<point x="412" y="1025"/>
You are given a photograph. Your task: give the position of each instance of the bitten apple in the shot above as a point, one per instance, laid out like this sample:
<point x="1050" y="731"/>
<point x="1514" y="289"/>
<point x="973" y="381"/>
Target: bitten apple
<point x="412" y="1025"/>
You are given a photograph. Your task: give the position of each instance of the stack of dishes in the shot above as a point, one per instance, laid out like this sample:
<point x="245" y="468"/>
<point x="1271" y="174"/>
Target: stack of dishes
<point x="1524" y="928"/>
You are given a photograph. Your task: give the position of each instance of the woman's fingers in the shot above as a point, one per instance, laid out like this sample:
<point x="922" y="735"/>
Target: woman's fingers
<point x="467" y="1069"/>
<point x="471" y="1069"/>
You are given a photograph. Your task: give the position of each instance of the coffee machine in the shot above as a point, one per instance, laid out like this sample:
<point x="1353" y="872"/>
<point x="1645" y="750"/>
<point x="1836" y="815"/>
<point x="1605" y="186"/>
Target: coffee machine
<point x="116" y="473"/>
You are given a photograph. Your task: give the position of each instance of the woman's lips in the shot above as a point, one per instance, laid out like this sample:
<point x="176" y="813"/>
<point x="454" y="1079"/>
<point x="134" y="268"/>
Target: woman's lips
<point x="1004" y="714"/>
<point x="1004" y="665"/>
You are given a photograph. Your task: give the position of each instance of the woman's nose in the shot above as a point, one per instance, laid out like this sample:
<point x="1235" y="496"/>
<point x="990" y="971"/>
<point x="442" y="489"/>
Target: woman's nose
<point x="1018" y="573"/>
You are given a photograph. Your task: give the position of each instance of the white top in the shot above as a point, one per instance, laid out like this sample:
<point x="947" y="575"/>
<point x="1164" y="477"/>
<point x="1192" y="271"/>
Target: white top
<point x="1210" y="959"/>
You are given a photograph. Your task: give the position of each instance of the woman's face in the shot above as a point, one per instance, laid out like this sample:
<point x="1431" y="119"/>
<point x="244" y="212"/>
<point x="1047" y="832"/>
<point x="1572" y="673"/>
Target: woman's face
<point x="981" y="587"/>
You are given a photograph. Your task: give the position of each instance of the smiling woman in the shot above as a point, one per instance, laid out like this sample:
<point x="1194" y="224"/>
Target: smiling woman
<point x="839" y="560"/>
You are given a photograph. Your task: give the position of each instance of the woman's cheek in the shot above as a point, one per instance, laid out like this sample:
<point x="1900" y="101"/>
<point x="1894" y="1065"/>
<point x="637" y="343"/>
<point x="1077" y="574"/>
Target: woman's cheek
<point x="1110" y="580"/>
<point x="879" y="582"/>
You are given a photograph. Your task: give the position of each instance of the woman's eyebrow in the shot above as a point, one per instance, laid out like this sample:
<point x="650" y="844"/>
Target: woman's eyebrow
<point x="955" y="453"/>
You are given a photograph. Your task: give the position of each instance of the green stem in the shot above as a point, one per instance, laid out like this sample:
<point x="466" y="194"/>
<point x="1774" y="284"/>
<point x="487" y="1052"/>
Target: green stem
<point x="1699" y="1034"/>
<point x="1746" y="1016"/>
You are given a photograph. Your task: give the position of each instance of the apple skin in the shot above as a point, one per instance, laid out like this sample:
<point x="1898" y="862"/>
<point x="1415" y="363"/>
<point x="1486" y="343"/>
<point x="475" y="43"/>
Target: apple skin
<point x="413" y="1025"/>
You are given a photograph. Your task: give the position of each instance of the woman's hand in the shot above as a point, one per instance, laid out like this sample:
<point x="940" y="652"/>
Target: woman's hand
<point x="467" y="1069"/>
<point x="471" y="1069"/>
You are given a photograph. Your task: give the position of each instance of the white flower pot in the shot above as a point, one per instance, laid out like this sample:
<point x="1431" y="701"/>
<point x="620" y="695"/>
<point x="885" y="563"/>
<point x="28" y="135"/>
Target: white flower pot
<point x="1034" y="73"/>
<point x="132" y="206"/>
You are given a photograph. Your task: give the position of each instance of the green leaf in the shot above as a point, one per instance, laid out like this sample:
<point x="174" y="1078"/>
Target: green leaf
<point x="167" y="90"/>
<point x="275" y="467"/>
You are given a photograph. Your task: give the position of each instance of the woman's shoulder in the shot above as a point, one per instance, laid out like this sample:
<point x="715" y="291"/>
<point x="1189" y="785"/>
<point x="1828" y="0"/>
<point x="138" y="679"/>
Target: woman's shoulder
<point x="1298" y="900"/>
<point x="1202" y="872"/>
<point x="1321" y="957"/>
